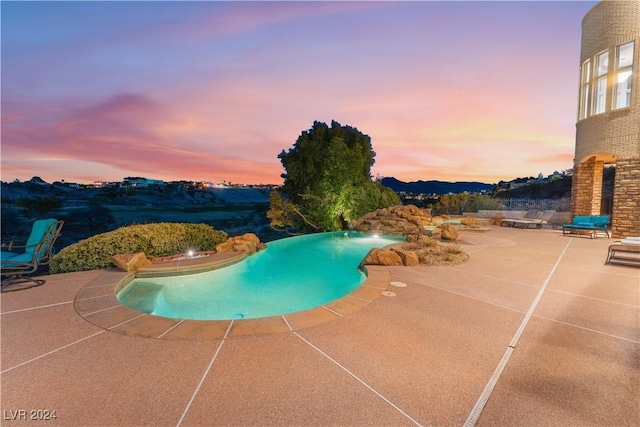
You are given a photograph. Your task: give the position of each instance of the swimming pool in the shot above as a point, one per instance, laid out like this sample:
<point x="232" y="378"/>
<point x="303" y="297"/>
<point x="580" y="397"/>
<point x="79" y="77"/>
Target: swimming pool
<point x="292" y="274"/>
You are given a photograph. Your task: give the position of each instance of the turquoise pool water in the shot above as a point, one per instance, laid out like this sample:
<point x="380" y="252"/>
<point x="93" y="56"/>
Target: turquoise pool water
<point x="292" y="274"/>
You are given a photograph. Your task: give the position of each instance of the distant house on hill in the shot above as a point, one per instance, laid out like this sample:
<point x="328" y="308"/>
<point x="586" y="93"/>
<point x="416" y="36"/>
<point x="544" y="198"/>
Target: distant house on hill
<point x="140" y="182"/>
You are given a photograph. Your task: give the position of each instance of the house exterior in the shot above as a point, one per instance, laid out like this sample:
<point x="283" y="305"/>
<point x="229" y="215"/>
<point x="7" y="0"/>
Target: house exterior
<point x="608" y="126"/>
<point x="140" y="182"/>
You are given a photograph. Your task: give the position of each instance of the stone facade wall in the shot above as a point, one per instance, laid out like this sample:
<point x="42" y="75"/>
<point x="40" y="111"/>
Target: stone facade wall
<point x="586" y="188"/>
<point x="625" y="220"/>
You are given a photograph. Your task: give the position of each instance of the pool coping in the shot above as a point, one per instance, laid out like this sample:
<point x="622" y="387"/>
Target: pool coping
<point x="97" y="303"/>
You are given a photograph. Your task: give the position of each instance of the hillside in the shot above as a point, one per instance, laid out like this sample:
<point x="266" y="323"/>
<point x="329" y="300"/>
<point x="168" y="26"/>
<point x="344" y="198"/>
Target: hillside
<point x="89" y="211"/>
<point x="436" y="187"/>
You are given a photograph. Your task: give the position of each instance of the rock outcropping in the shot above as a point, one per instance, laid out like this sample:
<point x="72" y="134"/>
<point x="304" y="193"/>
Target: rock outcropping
<point x="409" y="219"/>
<point x="249" y="243"/>
<point x="391" y="257"/>
<point x="131" y="262"/>
<point x="399" y="220"/>
<point x="448" y="232"/>
<point x="417" y="250"/>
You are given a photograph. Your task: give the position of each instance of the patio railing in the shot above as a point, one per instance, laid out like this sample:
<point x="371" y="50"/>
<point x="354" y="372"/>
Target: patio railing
<point x="456" y="205"/>
<point x="560" y="204"/>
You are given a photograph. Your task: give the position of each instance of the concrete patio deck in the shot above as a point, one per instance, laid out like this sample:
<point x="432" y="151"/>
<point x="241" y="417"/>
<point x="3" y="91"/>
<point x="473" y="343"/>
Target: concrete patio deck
<point x="533" y="330"/>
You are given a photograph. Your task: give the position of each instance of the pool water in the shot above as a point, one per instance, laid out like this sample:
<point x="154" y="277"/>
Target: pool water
<point x="290" y="275"/>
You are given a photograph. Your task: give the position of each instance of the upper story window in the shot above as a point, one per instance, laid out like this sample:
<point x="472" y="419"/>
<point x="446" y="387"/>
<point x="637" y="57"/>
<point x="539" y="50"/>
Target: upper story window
<point x="602" y="67"/>
<point x="606" y="85"/>
<point x="584" y="90"/>
<point x="624" y="72"/>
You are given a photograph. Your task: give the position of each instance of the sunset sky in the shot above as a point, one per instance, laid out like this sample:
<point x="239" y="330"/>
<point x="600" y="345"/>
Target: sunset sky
<point x="214" y="91"/>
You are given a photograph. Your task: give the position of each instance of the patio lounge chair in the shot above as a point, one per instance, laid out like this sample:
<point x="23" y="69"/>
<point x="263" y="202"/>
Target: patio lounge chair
<point x="510" y="222"/>
<point x="540" y="219"/>
<point x="626" y="250"/>
<point x="19" y="262"/>
<point x="587" y="225"/>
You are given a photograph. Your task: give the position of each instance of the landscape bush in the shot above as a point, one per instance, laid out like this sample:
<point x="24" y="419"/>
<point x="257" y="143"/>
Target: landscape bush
<point x="155" y="240"/>
<point x="38" y="206"/>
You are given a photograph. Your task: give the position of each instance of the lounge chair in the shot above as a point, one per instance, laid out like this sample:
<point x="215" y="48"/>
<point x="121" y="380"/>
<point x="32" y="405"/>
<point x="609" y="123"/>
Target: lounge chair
<point x="587" y="225"/>
<point x="19" y="262"/>
<point x="541" y="219"/>
<point x="510" y="222"/>
<point x="626" y="250"/>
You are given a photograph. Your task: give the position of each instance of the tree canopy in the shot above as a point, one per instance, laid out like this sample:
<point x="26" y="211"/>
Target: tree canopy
<point x="327" y="182"/>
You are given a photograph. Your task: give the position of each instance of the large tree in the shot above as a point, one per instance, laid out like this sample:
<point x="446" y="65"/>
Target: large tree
<point x="328" y="181"/>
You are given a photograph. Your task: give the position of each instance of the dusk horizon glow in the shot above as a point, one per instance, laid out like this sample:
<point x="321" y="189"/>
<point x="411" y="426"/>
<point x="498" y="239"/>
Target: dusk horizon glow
<point x="214" y="91"/>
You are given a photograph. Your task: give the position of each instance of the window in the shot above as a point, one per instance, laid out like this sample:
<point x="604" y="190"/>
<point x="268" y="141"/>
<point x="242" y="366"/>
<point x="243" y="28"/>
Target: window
<point x="624" y="73"/>
<point x="584" y="90"/>
<point x="601" y="83"/>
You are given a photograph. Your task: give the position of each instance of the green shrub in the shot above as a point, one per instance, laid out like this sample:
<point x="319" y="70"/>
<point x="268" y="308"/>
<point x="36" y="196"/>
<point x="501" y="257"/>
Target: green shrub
<point x="161" y="239"/>
<point x="39" y="206"/>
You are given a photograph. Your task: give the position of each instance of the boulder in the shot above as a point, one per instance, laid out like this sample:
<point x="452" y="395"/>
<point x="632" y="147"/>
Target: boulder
<point x="422" y="239"/>
<point x="414" y="219"/>
<point x="249" y="243"/>
<point x="419" y="250"/>
<point x="410" y="229"/>
<point x="245" y="246"/>
<point x="399" y="219"/>
<point x="379" y="256"/>
<point x="131" y="262"/>
<point x="372" y="257"/>
<point x="470" y="222"/>
<point x="408" y="258"/>
<point x="437" y="220"/>
<point x="373" y="223"/>
<point x="436" y="233"/>
<point x="448" y="232"/>
<point x="226" y="246"/>
<point x="389" y="257"/>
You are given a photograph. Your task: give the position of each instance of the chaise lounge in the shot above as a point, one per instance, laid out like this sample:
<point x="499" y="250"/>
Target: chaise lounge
<point x="587" y="225"/>
<point x="626" y="250"/>
<point x="537" y="220"/>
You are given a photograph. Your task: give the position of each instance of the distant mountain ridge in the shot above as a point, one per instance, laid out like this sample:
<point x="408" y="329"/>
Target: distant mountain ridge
<point x="436" y="187"/>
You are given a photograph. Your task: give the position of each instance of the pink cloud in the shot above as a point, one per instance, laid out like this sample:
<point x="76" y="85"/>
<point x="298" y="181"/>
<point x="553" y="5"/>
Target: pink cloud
<point x="218" y="90"/>
<point x="123" y="133"/>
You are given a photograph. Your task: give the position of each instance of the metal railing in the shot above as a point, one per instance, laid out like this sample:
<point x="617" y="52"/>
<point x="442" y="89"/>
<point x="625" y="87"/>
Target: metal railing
<point x="458" y="205"/>
<point x="560" y="204"/>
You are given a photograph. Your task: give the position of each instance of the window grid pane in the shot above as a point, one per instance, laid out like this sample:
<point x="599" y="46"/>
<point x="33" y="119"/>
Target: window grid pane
<point x="584" y="109"/>
<point x="603" y="63"/>
<point x="601" y="95"/>
<point x="586" y="72"/>
<point x="625" y="55"/>
<point x="584" y="92"/>
<point x="623" y="89"/>
<point x="624" y="74"/>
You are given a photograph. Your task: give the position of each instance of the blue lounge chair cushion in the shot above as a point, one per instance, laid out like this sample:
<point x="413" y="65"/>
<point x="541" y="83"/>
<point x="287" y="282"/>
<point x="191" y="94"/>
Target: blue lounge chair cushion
<point x="14" y="257"/>
<point x="4" y="256"/>
<point x="38" y="234"/>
